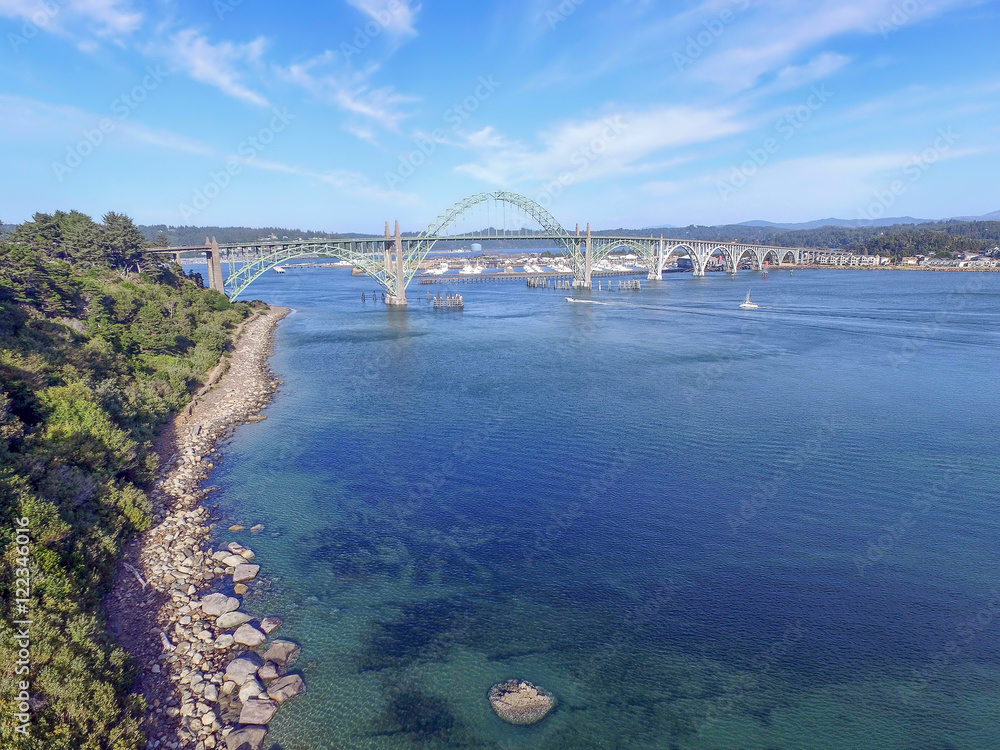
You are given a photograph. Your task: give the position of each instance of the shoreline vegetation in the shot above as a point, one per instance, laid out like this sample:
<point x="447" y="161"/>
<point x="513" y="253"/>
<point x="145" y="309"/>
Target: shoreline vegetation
<point x="100" y="347"/>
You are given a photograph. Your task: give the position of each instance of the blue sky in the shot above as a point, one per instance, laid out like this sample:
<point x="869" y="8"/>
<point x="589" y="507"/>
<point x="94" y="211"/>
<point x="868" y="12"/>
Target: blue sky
<point x="339" y="115"/>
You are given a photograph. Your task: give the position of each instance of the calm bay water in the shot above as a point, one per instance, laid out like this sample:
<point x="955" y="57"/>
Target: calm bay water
<point x="699" y="527"/>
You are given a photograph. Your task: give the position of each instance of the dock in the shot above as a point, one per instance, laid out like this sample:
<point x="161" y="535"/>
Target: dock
<point x="518" y="276"/>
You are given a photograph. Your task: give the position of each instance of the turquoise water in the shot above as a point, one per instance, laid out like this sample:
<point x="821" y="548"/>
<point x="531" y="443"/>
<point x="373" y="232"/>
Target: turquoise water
<point x="698" y="527"/>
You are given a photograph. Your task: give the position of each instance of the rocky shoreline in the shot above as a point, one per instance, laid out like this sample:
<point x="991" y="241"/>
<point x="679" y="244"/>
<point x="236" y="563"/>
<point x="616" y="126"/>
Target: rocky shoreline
<point x="208" y="674"/>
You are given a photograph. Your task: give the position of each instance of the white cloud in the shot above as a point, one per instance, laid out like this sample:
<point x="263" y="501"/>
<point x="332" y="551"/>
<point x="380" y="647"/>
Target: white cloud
<point x="75" y="18"/>
<point x="796" y="76"/>
<point x="770" y="39"/>
<point x="349" y="90"/>
<point x="398" y="17"/>
<point x="219" y="65"/>
<point x="615" y="145"/>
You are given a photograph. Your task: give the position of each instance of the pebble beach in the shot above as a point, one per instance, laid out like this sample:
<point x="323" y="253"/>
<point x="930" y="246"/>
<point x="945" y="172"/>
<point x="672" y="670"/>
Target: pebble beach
<point x="212" y="675"/>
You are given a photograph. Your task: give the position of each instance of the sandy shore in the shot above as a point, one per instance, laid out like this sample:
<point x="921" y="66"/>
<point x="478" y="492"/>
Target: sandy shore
<point x="158" y="608"/>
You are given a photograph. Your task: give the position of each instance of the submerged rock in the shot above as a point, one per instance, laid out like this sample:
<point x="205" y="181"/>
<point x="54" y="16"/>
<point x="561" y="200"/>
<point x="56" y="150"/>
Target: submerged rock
<point x="246" y="738"/>
<point x="282" y="653"/>
<point x="270" y="624"/>
<point x="286" y="688"/>
<point x="519" y="702"/>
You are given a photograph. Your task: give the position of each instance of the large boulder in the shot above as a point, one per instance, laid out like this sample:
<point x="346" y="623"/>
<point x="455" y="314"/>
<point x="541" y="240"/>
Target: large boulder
<point x="232" y="620"/>
<point x="248" y="635"/>
<point x="286" y="688"/>
<point x="246" y="738"/>
<point x="282" y="653"/>
<point x="258" y="712"/>
<point x="519" y="702"/>
<point x="245" y="572"/>
<point x="215" y="605"/>
<point x="243" y="667"/>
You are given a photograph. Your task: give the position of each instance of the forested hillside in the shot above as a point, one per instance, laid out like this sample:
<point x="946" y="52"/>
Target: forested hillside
<point x="857" y="238"/>
<point x="98" y="346"/>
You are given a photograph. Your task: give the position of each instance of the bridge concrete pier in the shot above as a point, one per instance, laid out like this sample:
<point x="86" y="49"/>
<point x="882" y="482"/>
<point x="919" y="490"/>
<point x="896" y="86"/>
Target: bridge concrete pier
<point x="216" y="280"/>
<point x="398" y="298"/>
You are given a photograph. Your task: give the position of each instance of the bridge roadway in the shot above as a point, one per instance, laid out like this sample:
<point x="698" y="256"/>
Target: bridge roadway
<point x="393" y="260"/>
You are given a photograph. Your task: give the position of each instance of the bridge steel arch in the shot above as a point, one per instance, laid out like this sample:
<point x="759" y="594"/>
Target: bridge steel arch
<point x="249" y="263"/>
<point x="418" y="249"/>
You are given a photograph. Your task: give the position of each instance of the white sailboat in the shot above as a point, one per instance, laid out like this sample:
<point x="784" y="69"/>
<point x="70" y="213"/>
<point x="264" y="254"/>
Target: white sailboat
<point x="747" y="304"/>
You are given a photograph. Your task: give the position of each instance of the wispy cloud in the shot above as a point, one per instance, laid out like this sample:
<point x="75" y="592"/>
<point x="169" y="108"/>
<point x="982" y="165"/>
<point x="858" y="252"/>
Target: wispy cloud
<point x="397" y="16"/>
<point x="223" y="65"/>
<point x="76" y="19"/>
<point x="622" y="143"/>
<point x="329" y="81"/>
<point x="774" y="35"/>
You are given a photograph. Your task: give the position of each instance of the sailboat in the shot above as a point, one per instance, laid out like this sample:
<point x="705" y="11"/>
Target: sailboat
<point x="747" y="304"/>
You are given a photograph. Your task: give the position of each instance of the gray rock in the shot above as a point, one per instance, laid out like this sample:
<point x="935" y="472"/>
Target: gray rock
<point x="268" y="672"/>
<point x="252" y="689"/>
<point x="245" y="572"/>
<point x="270" y="624"/>
<point x="215" y="605"/>
<point x="224" y="641"/>
<point x="248" y="635"/>
<point x="258" y="712"/>
<point x="246" y="738"/>
<point x="257" y="528"/>
<point x="243" y="667"/>
<point x="232" y="620"/>
<point x="282" y="653"/>
<point x="286" y="688"/>
<point x="232" y="561"/>
<point x="212" y="693"/>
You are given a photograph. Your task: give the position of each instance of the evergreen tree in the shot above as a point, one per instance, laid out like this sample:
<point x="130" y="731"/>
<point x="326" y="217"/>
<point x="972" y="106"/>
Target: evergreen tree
<point x="121" y="242"/>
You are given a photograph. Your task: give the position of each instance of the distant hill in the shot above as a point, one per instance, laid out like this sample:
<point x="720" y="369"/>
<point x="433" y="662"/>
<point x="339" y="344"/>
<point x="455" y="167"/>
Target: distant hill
<point x="995" y="216"/>
<point x="179" y="236"/>
<point x="901" y="220"/>
<point x="886" y="222"/>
